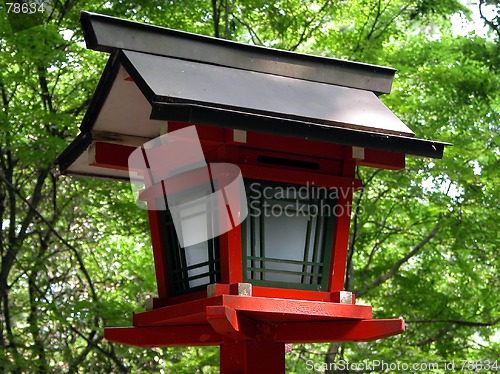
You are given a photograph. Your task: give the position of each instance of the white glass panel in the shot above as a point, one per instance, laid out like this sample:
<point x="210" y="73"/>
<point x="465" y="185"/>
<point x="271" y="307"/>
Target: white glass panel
<point x="196" y="254"/>
<point x="293" y="237"/>
<point x="284" y="239"/>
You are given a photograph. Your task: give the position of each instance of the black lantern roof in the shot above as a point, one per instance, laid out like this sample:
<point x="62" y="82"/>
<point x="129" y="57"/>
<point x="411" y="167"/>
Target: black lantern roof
<point x="156" y="74"/>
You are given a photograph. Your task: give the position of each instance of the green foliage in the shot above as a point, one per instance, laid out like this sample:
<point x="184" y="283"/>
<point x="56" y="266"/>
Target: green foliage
<point x="76" y="253"/>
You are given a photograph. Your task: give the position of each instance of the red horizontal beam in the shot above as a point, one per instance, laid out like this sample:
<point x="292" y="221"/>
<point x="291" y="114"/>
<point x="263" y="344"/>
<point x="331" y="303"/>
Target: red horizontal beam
<point x="298" y="177"/>
<point x="382" y="159"/>
<point x="285" y="310"/>
<point x="115" y="156"/>
<point x="260" y="308"/>
<point x="164" y="336"/>
<point x="191" y="312"/>
<point x="110" y="155"/>
<point x="233" y="325"/>
<point x="257" y="140"/>
<point x="336" y="331"/>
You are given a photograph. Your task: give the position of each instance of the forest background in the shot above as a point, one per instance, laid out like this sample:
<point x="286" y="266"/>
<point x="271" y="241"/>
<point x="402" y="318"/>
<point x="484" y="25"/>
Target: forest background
<point x="75" y="253"/>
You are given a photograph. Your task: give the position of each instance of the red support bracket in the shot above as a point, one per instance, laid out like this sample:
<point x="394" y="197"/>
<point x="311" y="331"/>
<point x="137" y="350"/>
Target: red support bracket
<point x="231" y="324"/>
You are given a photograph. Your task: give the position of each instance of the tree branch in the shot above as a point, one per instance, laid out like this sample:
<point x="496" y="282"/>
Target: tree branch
<point x="307" y="31"/>
<point x="403" y="260"/>
<point x="253" y="35"/>
<point x="375" y="21"/>
<point x="38" y="347"/>
<point x="227" y="11"/>
<point x="84" y="271"/>
<point x="45" y="94"/>
<point x="458" y="322"/>
<point x="352" y="240"/>
<point x="216" y="18"/>
<point x="33" y="211"/>
<point x="449" y="324"/>
<point x="436" y="337"/>
<point x="393" y="18"/>
<point x="493" y="26"/>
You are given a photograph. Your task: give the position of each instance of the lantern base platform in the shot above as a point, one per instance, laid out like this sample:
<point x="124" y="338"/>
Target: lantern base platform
<point x="232" y="318"/>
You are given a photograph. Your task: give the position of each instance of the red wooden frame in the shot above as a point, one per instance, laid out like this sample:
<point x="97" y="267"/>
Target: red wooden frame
<point x="340" y="242"/>
<point x="252" y="329"/>
<point x="336" y="171"/>
<point x="230" y="242"/>
<point x="160" y="260"/>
